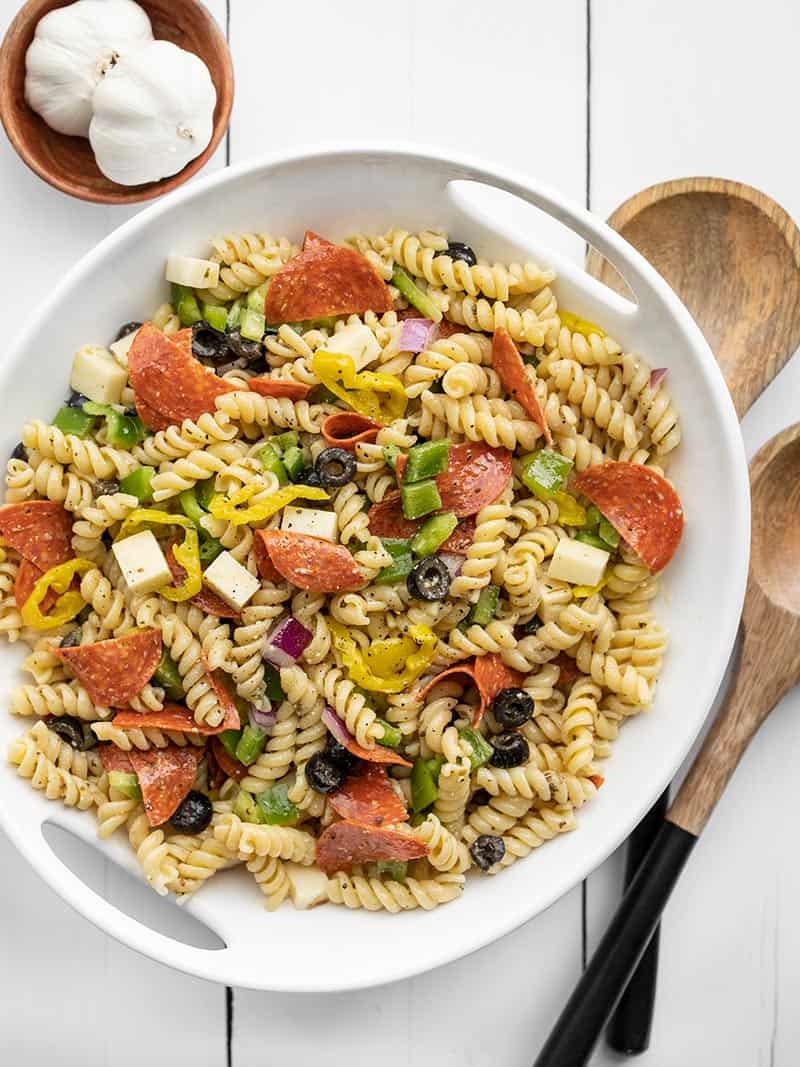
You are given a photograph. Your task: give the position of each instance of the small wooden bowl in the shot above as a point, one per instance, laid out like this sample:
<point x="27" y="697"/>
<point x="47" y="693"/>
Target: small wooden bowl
<point x="68" y="163"/>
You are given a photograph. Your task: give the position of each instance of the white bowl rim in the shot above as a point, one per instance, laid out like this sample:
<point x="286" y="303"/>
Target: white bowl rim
<point x="212" y="965"/>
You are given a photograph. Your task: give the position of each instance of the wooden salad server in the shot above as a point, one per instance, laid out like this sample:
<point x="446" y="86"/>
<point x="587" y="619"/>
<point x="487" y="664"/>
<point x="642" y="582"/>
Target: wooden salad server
<point x="733" y="256"/>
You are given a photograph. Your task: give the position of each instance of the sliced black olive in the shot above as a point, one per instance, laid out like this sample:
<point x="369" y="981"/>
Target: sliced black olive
<point x="487" y="850"/>
<point x="71" y="730"/>
<point x="323" y="774"/>
<point x="236" y="364"/>
<point x="336" y="752"/>
<point x="512" y="708"/>
<point x="308" y="476"/>
<point x="458" y="250"/>
<point x="20" y="452"/>
<point x="84" y="614"/>
<point x="76" y="400"/>
<point x="193" y="814"/>
<point x="335" y="467"/>
<point x="209" y="345"/>
<point x="243" y="348"/>
<point x="105" y="487"/>
<point x="429" y="579"/>
<point x="71" y="640"/>
<point x="125" y="329"/>
<point x="530" y="627"/>
<point x="510" y="750"/>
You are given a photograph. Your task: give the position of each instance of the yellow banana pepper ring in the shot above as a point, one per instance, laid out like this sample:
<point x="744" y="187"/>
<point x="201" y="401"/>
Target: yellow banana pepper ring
<point x="575" y="324"/>
<point x="570" y="512"/>
<point x="143" y="518"/>
<point x="230" y="509"/>
<point x="581" y="592"/>
<point x="68" y="604"/>
<point x="187" y="554"/>
<point x="379" y="396"/>
<point x="390" y="665"/>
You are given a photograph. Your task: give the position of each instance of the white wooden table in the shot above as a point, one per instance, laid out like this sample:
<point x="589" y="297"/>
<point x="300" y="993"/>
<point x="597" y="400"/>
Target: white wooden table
<point x="599" y="98"/>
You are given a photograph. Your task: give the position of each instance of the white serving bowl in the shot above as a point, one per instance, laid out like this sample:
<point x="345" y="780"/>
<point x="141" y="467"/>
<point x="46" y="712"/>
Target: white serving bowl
<point x="337" y="192"/>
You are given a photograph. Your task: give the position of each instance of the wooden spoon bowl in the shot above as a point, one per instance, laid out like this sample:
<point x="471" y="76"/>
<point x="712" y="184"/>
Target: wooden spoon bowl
<point x="733" y="256"/>
<point x="67" y="163"/>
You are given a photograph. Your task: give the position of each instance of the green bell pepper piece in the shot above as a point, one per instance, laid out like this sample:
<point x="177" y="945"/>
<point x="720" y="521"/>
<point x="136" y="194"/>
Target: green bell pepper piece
<point x="480" y="749"/>
<point x="138" y="484"/>
<point x="216" y="316"/>
<point x="168" y="677"/>
<point x="276" y="808"/>
<point x="205" y="491"/>
<point x="282" y="442"/>
<point x="257" y="297"/>
<point x="185" y="303"/>
<point x="391" y="736"/>
<point x="608" y="533"/>
<point x="229" y="739"/>
<point x="125" y="783"/>
<point x="402" y="560"/>
<point x="425" y="782"/>
<point x="253" y="325"/>
<point x="545" y="472"/>
<point x="593" y="517"/>
<point x="246" y="808"/>
<point x="426" y="460"/>
<point x="234" y="315"/>
<point x="272" y="462"/>
<point x="74" y="421"/>
<point x="589" y="538"/>
<point x="251" y="744"/>
<point x="433" y="533"/>
<point x="293" y="461"/>
<point x="415" y="296"/>
<point x="390" y="454"/>
<point x="420" y="498"/>
<point x="209" y="549"/>
<point x="190" y="506"/>
<point x="272" y="683"/>
<point x="395" y="870"/>
<point x="485" y="607"/>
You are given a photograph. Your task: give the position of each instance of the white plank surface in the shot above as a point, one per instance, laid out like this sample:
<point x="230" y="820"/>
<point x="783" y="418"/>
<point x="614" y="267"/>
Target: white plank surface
<point x="676" y="89"/>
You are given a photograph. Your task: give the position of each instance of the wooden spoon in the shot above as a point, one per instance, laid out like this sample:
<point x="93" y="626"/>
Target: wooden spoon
<point x="745" y="296"/>
<point x="733" y="257"/>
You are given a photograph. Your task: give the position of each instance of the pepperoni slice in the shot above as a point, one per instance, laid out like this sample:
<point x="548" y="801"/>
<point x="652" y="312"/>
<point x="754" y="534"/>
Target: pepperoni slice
<point x="386" y="519"/>
<point x="171" y="717"/>
<point x="169" y="384"/>
<point x="346" y="429"/>
<point x="476" y="475"/>
<point x="115" y="759"/>
<point x="346" y="843"/>
<point x="39" y="530"/>
<point x="165" y="777"/>
<point x="28" y="574"/>
<point x="183" y="339"/>
<point x="325" y="279"/>
<point x="278" y="388"/>
<point x="266" y="568"/>
<point x="378" y="754"/>
<point x="513" y="373"/>
<point x="206" y="599"/>
<point x="113" y="672"/>
<point x="224" y="696"/>
<point x="568" y="671"/>
<point x="226" y="762"/>
<point x="311" y="562"/>
<point x="487" y="673"/>
<point x="446" y="328"/>
<point x="367" y="797"/>
<point x="640" y="504"/>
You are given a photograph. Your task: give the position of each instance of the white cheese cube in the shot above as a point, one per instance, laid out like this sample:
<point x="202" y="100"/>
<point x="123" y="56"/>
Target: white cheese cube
<point x="575" y="562"/>
<point x="357" y="341"/>
<point x="309" y="521"/>
<point x="120" y="349"/>
<point x="142" y="562"/>
<point x="196" y="273"/>
<point x="308" y="885"/>
<point x="96" y="374"/>
<point x="230" y="580"/>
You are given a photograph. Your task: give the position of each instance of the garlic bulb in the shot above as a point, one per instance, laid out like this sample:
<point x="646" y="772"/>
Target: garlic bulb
<point x="72" y="50"/>
<point x="153" y="113"/>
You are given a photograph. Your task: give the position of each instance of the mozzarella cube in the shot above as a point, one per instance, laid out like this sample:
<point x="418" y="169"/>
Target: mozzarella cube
<point x="96" y="374"/>
<point x="142" y="563"/>
<point x="357" y="341"/>
<point x="308" y="885"/>
<point x="580" y="564"/>
<point x="194" y="273"/>
<point x="309" y="521"/>
<point x="120" y="349"/>
<point x="230" y="580"/>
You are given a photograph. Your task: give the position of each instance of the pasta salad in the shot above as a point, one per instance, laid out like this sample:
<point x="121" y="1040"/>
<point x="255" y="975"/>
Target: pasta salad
<point x="341" y="567"/>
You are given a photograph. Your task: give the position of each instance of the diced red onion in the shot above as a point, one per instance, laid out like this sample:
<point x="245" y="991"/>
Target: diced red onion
<point x="287" y="642"/>
<point x="337" y="727"/>
<point x="417" y="335"/>
<point x="657" y="376"/>
<point x="453" y="562"/>
<point x="265" y="716"/>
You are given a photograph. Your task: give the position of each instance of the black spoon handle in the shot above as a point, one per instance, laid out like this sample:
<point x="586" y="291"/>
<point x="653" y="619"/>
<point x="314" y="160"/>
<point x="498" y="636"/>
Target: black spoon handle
<point x="581" y="1022"/>
<point x="629" y="1029"/>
